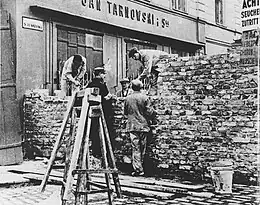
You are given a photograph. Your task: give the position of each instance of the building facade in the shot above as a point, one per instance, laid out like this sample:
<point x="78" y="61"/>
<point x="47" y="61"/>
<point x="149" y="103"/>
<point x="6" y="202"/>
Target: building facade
<point x="46" y="33"/>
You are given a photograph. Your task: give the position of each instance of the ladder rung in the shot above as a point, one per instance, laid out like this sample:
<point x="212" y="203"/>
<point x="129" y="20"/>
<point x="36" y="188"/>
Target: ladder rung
<point x="92" y="191"/>
<point x="80" y="93"/>
<point x="96" y="184"/>
<point x="90" y="171"/>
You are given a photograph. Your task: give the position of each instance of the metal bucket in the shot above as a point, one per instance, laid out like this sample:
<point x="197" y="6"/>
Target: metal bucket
<point x="222" y="178"/>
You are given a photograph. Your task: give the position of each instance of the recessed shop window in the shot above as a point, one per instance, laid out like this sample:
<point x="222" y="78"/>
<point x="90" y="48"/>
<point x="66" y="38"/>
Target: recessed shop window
<point x="179" y="5"/>
<point x="219" y="11"/>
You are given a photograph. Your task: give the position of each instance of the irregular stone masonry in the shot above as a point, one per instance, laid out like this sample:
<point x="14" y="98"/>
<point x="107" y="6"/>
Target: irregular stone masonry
<point x="207" y="111"/>
<point x="43" y="116"/>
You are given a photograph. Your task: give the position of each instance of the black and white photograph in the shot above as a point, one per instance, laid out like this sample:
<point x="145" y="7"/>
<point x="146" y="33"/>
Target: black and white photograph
<point x="122" y="102"/>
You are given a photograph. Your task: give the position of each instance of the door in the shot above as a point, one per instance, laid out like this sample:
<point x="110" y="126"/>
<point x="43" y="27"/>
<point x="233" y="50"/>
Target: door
<point x="10" y="139"/>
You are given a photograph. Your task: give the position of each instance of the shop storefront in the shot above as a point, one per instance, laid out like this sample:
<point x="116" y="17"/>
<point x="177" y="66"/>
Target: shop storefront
<point x="49" y="32"/>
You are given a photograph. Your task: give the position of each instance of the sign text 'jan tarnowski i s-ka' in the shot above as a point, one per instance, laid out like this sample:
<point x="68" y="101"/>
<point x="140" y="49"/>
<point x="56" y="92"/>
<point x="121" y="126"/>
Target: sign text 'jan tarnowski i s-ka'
<point x="126" y="12"/>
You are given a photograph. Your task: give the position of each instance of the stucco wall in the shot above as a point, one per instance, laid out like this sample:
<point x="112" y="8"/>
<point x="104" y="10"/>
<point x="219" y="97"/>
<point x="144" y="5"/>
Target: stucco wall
<point x="218" y="37"/>
<point x="31" y="52"/>
<point x="164" y="3"/>
<point x="214" y="48"/>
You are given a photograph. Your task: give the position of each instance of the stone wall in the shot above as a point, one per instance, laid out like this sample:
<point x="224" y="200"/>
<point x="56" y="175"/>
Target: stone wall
<point x="207" y="108"/>
<point x="43" y="116"/>
<point x="207" y="111"/>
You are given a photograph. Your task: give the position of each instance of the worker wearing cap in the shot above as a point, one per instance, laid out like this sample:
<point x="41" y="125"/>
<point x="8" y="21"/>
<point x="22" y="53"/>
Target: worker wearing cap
<point x="139" y="112"/>
<point x="73" y="74"/>
<point x="99" y="82"/>
<point x="149" y="59"/>
<point x="125" y="88"/>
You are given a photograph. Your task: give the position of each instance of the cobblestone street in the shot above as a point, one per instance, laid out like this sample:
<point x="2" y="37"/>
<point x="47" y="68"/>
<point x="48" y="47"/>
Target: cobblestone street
<point x="30" y="195"/>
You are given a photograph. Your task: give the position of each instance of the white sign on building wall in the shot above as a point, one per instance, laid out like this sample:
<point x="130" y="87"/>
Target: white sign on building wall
<point x="250" y="24"/>
<point x="33" y="24"/>
<point x="250" y="14"/>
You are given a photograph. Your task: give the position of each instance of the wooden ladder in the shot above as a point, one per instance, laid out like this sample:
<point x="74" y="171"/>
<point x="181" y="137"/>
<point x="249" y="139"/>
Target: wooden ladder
<point x="78" y="167"/>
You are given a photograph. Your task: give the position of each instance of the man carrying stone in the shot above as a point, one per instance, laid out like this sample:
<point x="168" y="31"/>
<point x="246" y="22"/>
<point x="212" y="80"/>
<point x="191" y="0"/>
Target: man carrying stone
<point x="149" y="59"/>
<point x="139" y="112"/>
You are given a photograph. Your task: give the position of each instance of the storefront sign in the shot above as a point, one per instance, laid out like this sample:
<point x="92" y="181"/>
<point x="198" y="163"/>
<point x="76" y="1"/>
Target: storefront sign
<point x="133" y="15"/>
<point x="127" y="13"/>
<point x="250" y="23"/>
<point x="249" y="47"/>
<point x="250" y="14"/>
<point x="32" y="24"/>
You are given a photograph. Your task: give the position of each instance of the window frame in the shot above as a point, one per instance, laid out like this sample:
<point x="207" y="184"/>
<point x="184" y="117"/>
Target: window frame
<point x="219" y="12"/>
<point x="179" y="5"/>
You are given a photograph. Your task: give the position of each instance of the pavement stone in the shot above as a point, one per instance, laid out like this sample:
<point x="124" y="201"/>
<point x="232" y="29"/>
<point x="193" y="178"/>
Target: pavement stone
<point x="26" y="195"/>
<point x="30" y="195"/>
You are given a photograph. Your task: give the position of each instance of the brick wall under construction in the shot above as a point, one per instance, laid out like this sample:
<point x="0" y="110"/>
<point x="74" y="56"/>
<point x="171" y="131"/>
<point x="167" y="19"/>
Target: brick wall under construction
<point x="207" y="111"/>
<point x="207" y="108"/>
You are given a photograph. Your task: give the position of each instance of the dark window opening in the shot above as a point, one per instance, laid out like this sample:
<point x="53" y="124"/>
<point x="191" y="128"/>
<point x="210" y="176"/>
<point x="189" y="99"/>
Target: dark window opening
<point x="179" y="5"/>
<point x="219" y="11"/>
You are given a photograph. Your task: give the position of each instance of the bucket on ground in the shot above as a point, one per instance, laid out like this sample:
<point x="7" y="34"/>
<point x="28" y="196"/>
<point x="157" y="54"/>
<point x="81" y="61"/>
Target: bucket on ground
<point x="222" y="177"/>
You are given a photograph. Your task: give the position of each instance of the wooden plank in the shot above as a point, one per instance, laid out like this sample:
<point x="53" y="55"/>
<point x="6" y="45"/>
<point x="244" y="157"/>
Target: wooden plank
<point x="151" y="181"/>
<point x="154" y="188"/>
<point x="93" y="191"/>
<point x="91" y="171"/>
<point x="104" y="156"/>
<point x="144" y="193"/>
<point x="77" y="145"/>
<point x="127" y="187"/>
<point x="69" y="147"/>
<point x="57" y="143"/>
<point x="40" y="173"/>
<point x="130" y="189"/>
<point x="173" y="185"/>
<point x="51" y="179"/>
<point x="82" y="178"/>
<point x="111" y="156"/>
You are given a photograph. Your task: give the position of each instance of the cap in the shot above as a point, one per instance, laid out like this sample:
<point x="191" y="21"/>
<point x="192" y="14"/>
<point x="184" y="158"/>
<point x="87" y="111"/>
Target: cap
<point x="132" y="52"/>
<point x="77" y="58"/>
<point x="136" y="84"/>
<point x="125" y="80"/>
<point x="99" y="70"/>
